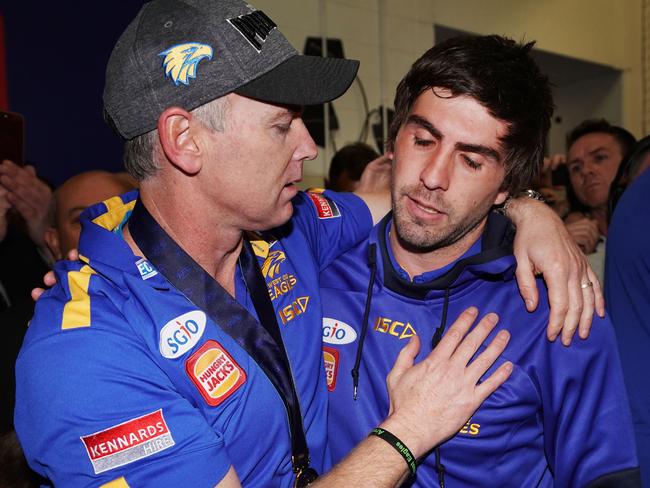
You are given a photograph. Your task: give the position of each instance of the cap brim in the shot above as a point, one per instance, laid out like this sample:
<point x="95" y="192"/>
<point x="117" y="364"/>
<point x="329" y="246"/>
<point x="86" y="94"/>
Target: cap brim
<point x="303" y="80"/>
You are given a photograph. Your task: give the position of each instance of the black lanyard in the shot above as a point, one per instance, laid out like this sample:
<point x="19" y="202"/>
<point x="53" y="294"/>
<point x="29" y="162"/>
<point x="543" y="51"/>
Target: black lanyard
<point x="262" y="343"/>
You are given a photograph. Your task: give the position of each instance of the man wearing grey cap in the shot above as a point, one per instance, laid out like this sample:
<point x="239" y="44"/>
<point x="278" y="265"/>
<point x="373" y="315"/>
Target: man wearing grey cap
<point x="184" y="347"/>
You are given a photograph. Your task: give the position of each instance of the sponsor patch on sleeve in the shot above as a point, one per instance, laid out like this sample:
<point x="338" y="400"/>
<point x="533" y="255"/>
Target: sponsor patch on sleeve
<point x="127" y="442"/>
<point x="214" y="372"/>
<point x="181" y="334"/>
<point x="331" y="359"/>
<point x="146" y="270"/>
<point x="325" y="207"/>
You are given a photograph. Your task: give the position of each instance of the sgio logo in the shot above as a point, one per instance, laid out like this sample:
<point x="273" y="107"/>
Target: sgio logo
<point x="181" y="334"/>
<point x="337" y="332"/>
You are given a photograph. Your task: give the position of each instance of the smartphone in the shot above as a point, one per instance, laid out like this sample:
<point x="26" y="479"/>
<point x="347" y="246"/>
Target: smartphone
<point x="12" y="137"/>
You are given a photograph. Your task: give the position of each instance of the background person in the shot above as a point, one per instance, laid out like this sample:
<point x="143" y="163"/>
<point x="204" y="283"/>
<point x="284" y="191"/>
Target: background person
<point x="347" y="166"/>
<point x="595" y="149"/>
<point x="628" y="302"/>
<point x="74" y="196"/>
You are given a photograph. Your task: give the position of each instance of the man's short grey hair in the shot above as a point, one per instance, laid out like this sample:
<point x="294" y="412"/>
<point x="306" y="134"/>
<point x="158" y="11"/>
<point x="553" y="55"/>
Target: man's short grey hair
<point x="140" y="153"/>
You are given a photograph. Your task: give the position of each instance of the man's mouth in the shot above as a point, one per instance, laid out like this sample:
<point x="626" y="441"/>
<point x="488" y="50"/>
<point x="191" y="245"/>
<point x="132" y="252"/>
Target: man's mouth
<point x="426" y="207"/>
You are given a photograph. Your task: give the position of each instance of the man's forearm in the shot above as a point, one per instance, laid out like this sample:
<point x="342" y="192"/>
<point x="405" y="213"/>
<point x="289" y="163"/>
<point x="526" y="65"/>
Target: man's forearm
<point x="373" y="462"/>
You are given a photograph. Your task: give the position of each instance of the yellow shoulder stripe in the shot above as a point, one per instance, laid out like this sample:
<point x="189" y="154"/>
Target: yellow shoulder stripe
<point x="116" y="210"/>
<point x="76" y="313"/>
<point x="118" y="483"/>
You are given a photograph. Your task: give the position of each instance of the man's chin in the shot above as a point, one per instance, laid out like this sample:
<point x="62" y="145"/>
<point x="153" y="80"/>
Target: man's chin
<point x="281" y="216"/>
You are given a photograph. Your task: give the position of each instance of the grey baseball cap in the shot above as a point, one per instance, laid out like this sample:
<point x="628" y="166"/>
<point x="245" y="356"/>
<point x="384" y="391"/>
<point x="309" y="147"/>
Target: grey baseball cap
<point x="189" y="52"/>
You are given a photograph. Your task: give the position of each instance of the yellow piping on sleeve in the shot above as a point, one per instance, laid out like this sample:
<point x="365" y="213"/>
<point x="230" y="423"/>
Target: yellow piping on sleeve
<point x="76" y="313"/>
<point x="117" y="483"/>
<point x="116" y="210"/>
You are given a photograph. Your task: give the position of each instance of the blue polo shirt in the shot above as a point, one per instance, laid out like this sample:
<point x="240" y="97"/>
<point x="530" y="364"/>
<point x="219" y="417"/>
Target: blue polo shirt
<point x="122" y="379"/>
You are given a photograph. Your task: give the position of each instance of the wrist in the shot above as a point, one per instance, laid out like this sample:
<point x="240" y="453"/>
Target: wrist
<point x="410" y="437"/>
<point x="519" y="207"/>
<point x="398" y="446"/>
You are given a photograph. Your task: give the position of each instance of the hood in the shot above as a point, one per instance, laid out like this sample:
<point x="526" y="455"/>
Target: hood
<point x="494" y="262"/>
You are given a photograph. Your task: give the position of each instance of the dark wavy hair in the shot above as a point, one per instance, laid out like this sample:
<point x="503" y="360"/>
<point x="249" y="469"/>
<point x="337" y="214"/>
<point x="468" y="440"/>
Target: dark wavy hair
<point x="501" y="75"/>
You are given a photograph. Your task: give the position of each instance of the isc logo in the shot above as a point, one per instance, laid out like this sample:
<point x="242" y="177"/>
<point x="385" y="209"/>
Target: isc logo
<point x="337" y="332"/>
<point x="394" y="328"/>
<point x="181" y="334"/>
<point x="297" y="307"/>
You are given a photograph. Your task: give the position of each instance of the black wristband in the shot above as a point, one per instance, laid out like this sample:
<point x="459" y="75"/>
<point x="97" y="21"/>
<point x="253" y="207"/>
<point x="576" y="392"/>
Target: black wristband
<point x="399" y="446"/>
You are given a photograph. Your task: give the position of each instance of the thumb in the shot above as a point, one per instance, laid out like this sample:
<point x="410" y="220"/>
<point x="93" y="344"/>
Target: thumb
<point x="406" y="357"/>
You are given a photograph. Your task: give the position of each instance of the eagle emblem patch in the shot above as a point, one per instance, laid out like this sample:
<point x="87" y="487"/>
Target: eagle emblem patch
<point x="181" y="61"/>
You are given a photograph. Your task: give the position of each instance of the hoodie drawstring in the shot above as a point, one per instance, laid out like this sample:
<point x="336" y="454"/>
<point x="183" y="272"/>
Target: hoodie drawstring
<point x="372" y="263"/>
<point x="440" y="468"/>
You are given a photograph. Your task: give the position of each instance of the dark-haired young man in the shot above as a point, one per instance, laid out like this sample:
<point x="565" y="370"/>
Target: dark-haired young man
<point x="595" y="150"/>
<point x="471" y="119"/>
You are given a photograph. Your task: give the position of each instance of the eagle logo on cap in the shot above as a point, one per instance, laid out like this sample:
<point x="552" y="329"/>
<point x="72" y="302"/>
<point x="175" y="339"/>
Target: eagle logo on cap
<point x="181" y="60"/>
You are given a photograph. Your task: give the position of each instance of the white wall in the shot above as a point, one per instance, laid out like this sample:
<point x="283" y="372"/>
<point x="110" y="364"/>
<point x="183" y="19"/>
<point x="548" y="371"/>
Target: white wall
<point x="388" y="35"/>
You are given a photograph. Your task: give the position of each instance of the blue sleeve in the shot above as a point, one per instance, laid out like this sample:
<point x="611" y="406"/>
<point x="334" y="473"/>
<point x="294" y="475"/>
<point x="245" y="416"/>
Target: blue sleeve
<point x="332" y="222"/>
<point x="92" y="406"/>
<point x="587" y="425"/>
<point x="627" y="296"/>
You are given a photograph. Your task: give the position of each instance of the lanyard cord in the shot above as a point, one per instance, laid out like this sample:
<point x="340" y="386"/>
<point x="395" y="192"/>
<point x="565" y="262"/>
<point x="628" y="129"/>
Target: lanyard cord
<point x="263" y="344"/>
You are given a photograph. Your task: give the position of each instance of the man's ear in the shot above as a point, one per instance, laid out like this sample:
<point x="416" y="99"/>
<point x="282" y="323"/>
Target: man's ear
<point x="501" y="197"/>
<point x="51" y="236"/>
<point x="179" y="139"/>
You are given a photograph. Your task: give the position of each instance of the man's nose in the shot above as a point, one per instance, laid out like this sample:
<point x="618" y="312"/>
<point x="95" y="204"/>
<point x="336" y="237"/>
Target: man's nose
<point x="435" y="175"/>
<point x="307" y="149"/>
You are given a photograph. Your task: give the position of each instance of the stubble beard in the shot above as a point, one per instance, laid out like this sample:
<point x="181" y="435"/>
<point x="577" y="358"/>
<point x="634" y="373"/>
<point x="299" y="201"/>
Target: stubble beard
<point x="418" y="236"/>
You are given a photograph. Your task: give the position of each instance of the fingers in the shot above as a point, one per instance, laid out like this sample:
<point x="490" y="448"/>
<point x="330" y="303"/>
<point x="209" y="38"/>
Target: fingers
<point x="599" y="299"/>
<point x="474" y="339"/>
<point x="588" y="299"/>
<point x="73" y="255"/>
<point x="49" y="279"/>
<point x="576" y="303"/>
<point x="585" y="233"/>
<point x="36" y="293"/>
<point x="526" y="282"/>
<point x="8" y="167"/>
<point x="22" y="182"/>
<point x="450" y="341"/>
<point x="485" y="360"/>
<point x="494" y="381"/>
<point x="558" y="298"/>
<point x="22" y="206"/>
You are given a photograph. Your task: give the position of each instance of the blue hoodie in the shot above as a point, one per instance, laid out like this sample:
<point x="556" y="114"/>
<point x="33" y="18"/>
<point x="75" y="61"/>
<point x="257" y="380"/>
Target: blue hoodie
<point x="561" y="419"/>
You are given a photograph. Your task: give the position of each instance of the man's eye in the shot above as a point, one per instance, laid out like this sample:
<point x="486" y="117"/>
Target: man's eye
<point x="471" y="163"/>
<point x="574" y="168"/>
<point x="600" y="157"/>
<point x="283" y="128"/>
<point x="422" y="142"/>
